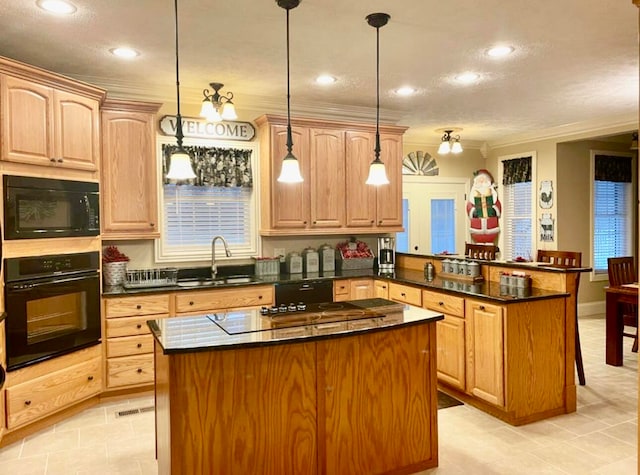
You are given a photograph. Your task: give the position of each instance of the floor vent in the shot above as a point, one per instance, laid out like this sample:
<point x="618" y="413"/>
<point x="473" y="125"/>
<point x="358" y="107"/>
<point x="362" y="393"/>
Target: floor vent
<point x="130" y="412"/>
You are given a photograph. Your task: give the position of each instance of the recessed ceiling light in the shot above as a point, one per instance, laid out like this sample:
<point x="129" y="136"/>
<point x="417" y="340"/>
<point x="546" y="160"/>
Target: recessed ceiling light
<point x="57" y="6"/>
<point x="500" y="51"/>
<point x="325" y="79"/>
<point x="124" y="52"/>
<point x="405" y="91"/>
<point x="467" y="78"/>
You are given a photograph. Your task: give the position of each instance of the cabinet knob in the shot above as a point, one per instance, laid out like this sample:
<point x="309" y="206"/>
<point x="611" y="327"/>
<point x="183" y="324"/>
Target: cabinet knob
<point x="27" y="403"/>
<point x="380" y="222"/>
<point x="259" y="297"/>
<point x="315" y="222"/>
<point x="415" y="248"/>
<point x="440" y="303"/>
<point x="138" y="307"/>
<point x="139" y="370"/>
<point x="191" y="303"/>
<point x="481" y="307"/>
<point x="152" y="224"/>
<point x="52" y="160"/>
<point x="139" y="326"/>
<point x="403" y="294"/>
<point x="139" y="345"/>
<point x="304" y="222"/>
<point x="90" y="378"/>
<point x="60" y="160"/>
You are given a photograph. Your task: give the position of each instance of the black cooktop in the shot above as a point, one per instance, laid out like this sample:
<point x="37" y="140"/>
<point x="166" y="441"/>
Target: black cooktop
<point x="273" y="318"/>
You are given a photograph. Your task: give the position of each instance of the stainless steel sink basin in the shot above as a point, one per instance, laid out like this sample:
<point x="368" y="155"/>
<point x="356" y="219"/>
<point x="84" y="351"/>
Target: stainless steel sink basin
<point x="232" y="279"/>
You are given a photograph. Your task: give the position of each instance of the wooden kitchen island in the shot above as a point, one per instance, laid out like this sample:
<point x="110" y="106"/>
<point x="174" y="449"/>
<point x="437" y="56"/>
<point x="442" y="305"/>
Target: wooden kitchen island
<point x="348" y="388"/>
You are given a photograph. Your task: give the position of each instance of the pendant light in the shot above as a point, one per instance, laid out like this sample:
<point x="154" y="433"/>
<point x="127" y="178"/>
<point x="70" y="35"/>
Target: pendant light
<point x="377" y="174"/>
<point x="180" y="167"/>
<point x="290" y="172"/>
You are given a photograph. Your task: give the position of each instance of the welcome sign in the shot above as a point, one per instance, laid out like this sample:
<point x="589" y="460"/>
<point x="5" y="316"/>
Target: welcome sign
<point x="202" y="129"/>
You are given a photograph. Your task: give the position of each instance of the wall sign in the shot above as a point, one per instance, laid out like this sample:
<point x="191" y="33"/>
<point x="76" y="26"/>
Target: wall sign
<point x="202" y="129"/>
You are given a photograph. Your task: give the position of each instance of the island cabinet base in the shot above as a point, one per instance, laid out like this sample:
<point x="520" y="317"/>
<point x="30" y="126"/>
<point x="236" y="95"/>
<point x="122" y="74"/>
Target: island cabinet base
<point x="358" y="404"/>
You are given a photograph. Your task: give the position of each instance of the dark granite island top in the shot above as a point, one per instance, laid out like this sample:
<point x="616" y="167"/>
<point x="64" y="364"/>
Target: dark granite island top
<point x="246" y="328"/>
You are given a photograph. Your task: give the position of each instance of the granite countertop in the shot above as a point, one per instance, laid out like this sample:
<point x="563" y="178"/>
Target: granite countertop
<point x="249" y="328"/>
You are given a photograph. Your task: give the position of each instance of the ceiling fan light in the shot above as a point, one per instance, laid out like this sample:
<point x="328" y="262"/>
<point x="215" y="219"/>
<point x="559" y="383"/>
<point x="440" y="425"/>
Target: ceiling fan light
<point x="229" y="111"/>
<point x="290" y="172"/>
<point x="180" y="168"/>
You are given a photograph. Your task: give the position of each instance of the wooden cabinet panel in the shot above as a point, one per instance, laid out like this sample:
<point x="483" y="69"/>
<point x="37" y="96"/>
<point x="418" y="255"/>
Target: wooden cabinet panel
<point x="360" y="289"/>
<point x="44" y="395"/>
<point x="405" y="294"/>
<point x="27" y="126"/>
<point x="381" y="289"/>
<point x="129" y="345"/>
<point x="77" y="138"/>
<point x="389" y="431"/>
<point x="360" y="198"/>
<point x="132" y="306"/>
<point x="130" y="370"/>
<point x="485" y="351"/>
<point x="451" y="351"/>
<point x="211" y="300"/>
<point x="327" y="180"/>
<point x="439" y="302"/>
<point x="341" y="290"/>
<point x="127" y="326"/>
<point x="129" y="171"/>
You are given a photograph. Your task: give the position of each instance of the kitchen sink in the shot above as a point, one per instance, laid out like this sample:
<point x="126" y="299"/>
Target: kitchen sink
<point x="208" y="282"/>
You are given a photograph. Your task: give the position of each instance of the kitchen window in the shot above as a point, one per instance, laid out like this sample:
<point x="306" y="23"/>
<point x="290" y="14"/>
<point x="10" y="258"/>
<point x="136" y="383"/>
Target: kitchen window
<point x="612" y="212"/>
<point x="517" y="206"/>
<point x="221" y="200"/>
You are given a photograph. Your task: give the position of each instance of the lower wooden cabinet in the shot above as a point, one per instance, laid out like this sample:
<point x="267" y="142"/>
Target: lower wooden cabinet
<point x="381" y="289"/>
<point x="353" y="289"/>
<point x="451" y="358"/>
<point x="405" y="294"/>
<point x="485" y="350"/>
<point x="130" y="370"/>
<point x="223" y="299"/>
<point x="40" y="390"/>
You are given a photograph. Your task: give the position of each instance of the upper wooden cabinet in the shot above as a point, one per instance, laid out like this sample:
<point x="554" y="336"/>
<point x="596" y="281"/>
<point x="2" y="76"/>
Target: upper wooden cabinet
<point x="334" y="161"/>
<point x="129" y="170"/>
<point x="48" y="126"/>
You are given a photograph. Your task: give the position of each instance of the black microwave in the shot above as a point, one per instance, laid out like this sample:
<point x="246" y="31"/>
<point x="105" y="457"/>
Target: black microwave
<point x="45" y="207"/>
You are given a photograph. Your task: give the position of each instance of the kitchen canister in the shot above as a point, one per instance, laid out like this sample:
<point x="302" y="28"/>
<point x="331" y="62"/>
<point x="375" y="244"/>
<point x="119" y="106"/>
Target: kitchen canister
<point x="310" y="260"/>
<point x="462" y="267"/>
<point x="446" y="266"/>
<point x="473" y="269"/>
<point x="327" y="258"/>
<point x="294" y="263"/>
<point x="454" y="266"/>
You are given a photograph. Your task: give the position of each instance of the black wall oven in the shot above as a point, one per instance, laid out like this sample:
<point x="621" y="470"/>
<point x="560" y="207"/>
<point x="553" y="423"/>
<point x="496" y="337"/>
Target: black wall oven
<point x="52" y="305"/>
<point x="45" y="207"/>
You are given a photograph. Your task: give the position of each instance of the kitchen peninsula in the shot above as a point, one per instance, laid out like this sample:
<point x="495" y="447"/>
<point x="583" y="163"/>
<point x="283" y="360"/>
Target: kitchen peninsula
<point x="342" y="387"/>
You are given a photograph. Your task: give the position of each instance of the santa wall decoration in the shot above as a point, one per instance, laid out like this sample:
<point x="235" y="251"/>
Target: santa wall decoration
<point x="483" y="208"/>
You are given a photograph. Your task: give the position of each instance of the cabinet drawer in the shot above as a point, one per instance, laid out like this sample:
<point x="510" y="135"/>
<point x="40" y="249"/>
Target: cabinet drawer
<point x="406" y="294"/>
<point x="130" y="370"/>
<point x="237" y="297"/>
<point x="42" y="396"/>
<point x="341" y="287"/>
<point x="444" y="303"/>
<point x="129" y="345"/>
<point x="381" y="289"/>
<point x="132" y="306"/>
<point x="127" y="326"/>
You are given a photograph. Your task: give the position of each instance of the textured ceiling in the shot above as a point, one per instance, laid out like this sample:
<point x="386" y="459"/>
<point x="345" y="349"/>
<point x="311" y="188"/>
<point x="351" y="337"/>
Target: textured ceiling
<point x="575" y="66"/>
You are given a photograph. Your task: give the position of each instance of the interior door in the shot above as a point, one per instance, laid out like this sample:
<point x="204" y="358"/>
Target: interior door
<point x="433" y="218"/>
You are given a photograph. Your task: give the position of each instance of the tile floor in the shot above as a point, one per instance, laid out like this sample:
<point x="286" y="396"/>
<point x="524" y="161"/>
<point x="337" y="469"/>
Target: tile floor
<point x="601" y="438"/>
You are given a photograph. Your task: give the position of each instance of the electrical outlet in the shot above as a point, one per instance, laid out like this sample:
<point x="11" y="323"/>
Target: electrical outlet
<point x="279" y="252"/>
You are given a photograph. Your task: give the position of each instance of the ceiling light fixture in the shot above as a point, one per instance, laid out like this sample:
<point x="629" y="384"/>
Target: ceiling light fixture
<point x="180" y="167"/>
<point x="500" y="51"/>
<point x="377" y="173"/>
<point x="290" y="172"/>
<point x="467" y="78"/>
<point x="124" y="52"/>
<point x="217" y="107"/>
<point x="405" y="91"/>
<point x="57" y="6"/>
<point x="325" y="79"/>
<point x="449" y="142"/>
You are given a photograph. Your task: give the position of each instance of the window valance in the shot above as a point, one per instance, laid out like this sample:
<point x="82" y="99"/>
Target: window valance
<point x="614" y="168"/>
<point x="214" y="166"/>
<point x="516" y="170"/>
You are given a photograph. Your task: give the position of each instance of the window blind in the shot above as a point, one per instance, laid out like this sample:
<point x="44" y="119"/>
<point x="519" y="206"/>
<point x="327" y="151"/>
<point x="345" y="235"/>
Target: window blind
<point x="612" y="222"/>
<point x="517" y="220"/>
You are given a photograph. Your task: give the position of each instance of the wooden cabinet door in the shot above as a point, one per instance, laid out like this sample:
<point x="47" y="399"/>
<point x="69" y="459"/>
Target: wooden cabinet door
<point x="389" y="197"/>
<point x="77" y="131"/>
<point x="290" y="201"/>
<point x="360" y="197"/>
<point x="27" y="122"/>
<point x="390" y="428"/>
<point x="381" y="289"/>
<point x="451" y="351"/>
<point x="327" y="178"/>
<point x="485" y="351"/>
<point x="129" y="180"/>
<point x="360" y="289"/>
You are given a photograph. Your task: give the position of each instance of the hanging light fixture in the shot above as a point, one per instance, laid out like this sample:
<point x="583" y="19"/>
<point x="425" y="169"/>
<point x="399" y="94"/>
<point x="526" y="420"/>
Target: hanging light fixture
<point x="217" y="107"/>
<point x="180" y="167"/>
<point x="290" y="172"/>
<point x="377" y="174"/>
<point x="450" y="143"/>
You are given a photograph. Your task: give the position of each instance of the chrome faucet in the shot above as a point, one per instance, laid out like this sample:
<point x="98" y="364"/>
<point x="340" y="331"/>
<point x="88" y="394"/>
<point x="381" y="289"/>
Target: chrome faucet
<point x="214" y="267"/>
